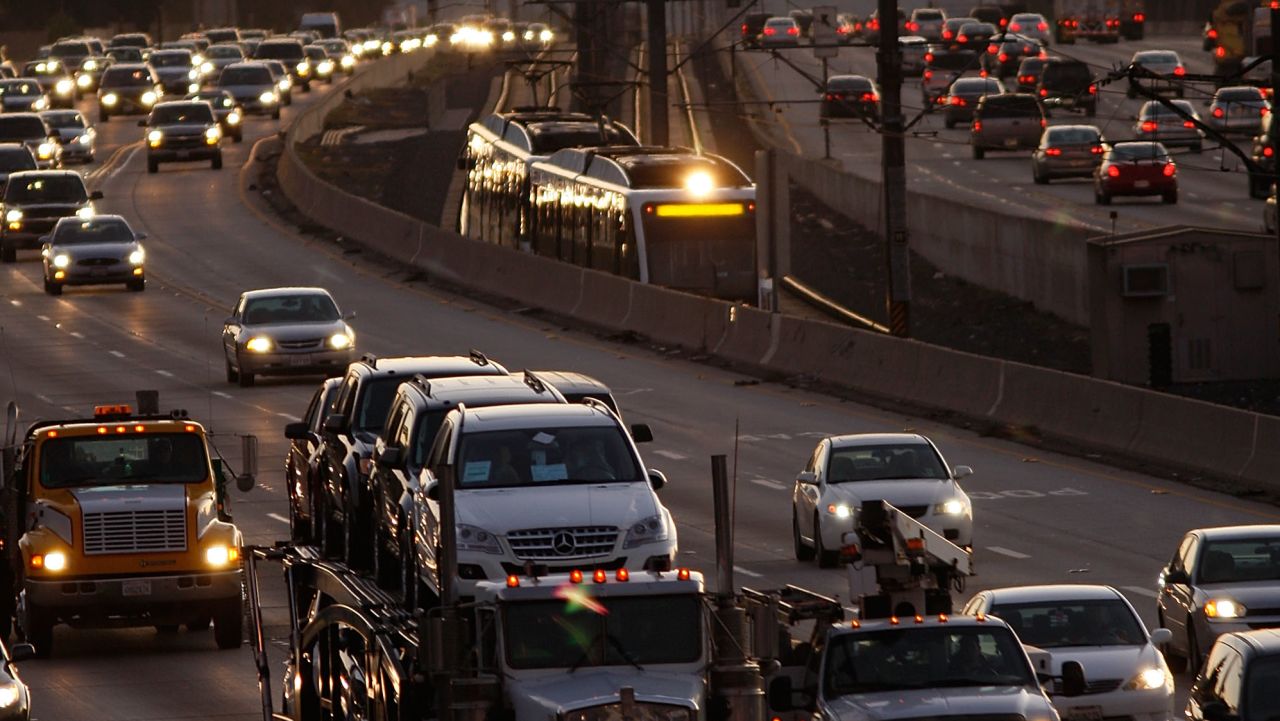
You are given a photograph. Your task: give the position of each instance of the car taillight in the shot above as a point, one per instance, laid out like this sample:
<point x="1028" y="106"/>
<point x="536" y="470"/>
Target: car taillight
<point x="1093" y="89"/>
<point x="928" y="57"/>
<point x="1220" y="52"/>
<point x="1113" y="171"/>
<point x="992" y="49"/>
<point x="928" y="75"/>
<point x="1003" y="57"/>
<point x="1217" y="113"/>
<point x="1188" y="124"/>
<point x="913" y="26"/>
<point x="1025" y="79"/>
<point x="1139" y="18"/>
<point x="1213" y="34"/>
<point x="1179" y="71"/>
<point x="1004" y="22"/>
<point x="1268" y="151"/>
<point x="962" y="38"/>
<point x="793" y="31"/>
<point x="947" y="34"/>
<point x="869" y="98"/>
<point x="744" y="28"/>
<point x="1043" y="27"/>
<point x="957" y="100"/>
<point x="1055" y="152"/>
<point x="1169" y="170"/>
<point x="1096" y="150"/>
<point x="831" y="96"/>
<point x="977" y="126"/>
<point x="1044" y="93"/>
<point x="1044" y="123"/>
<point x="1015" y="27"/>
<point x="1149" y="126"/>
<point x="770" y="31"/>
<point x="1263" y="111"/>
<point x="842" y="30"/>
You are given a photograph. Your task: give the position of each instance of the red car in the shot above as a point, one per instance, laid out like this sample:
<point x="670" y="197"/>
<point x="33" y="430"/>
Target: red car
<point x="1137" y="168"/>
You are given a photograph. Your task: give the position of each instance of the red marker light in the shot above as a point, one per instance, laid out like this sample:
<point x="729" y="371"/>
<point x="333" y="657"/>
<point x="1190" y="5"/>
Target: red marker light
<point x="977" y="126"/>
<point x="682" y="574"/>
<point x="513" y="581"/>
<point x="1093" y="89"/>
<point x="1113" y="171"/>
<point x="1169" y="170"/>
<point x="599" y="576"/>
<point x="575" y="576"/>
<point x="1188" y="124"/>
<point x="623" y="575"/>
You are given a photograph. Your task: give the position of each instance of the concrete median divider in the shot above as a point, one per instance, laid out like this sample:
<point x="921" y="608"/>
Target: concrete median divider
<point x="1119" y="420"/>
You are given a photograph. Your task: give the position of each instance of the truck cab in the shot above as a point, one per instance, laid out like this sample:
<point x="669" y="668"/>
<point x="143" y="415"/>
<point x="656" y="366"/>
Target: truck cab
<point x="126" y="525"/>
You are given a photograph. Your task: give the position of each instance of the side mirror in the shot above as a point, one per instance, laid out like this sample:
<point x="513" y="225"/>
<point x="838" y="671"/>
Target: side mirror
<point x="45" y="239"/>
<point x="657" y="479"/>
<point x="140" y="236"/>
<point x="807" y="477"/>
<point x="1176" y="577"/>
<point x="349" y="316"/>
<point x="780" y="694"/>
<point x="335" y="423"/>
<point x="641" y="433"/>
<point x="960" y="472"/>
<point x="1073" y="683"/>
<point x="433" y="491"/>
<point x="297" y="431"/>
<point x="390" y="457"/>
<point x="22" y="652"/>
<point x="1161" y="636"/>
<point x="142" y="123"/>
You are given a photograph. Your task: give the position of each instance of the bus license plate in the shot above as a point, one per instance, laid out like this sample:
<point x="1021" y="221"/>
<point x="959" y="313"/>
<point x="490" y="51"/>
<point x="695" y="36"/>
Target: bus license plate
<point x="136" y="588"/>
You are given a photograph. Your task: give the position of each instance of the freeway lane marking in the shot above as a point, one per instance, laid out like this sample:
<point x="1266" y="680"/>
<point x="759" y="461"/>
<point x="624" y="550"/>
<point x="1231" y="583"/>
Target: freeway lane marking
<point x="1007" y="552"/>
<point x="288" y="416"/>
<point x="1140" y="590"/>
<point x="769" y="484"/>
<point x="44" y="318"/>
<point x="164" y="373"/>
<point x="670" y="454"/>
<point x="15" y="301"/>
<point x="277" y="517"/>
<point x="220" y="394"/>
<point x="116" y="353"/>
<point x="745" y="572"/>
<point x="74" y="334"/>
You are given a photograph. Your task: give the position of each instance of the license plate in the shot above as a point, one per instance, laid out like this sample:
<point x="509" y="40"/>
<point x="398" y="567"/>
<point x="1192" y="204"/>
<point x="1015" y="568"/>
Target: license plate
<point x="1084" y="713"/>
<point x="1142" y="183"/>
<point x="1011" y="142"/>
<point x="135" y="588"/>
<point x="300" y="360"/>
<point x="1079" y="163"/>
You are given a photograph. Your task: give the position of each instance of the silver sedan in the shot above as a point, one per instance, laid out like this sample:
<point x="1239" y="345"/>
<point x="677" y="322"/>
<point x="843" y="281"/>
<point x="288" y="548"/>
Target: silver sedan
<point x="286" y="331"/>
<point x="101" y="250"/>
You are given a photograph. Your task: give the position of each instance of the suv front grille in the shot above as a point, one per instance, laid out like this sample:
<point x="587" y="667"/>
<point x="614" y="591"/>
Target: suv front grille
<point x="305" y="344"/>
<point x="135" y="531"/>
<point x="554" y="544"/>
<point x="91" y="262"/>
<point x="1096" y="686"/>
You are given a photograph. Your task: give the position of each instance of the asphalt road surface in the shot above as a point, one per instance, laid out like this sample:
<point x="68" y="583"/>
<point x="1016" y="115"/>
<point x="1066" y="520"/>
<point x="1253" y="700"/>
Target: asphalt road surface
<point x="1040" y="517"/>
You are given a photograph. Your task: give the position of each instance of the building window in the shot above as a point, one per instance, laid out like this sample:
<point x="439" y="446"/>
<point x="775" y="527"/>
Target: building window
<point x="1146" y="280"/>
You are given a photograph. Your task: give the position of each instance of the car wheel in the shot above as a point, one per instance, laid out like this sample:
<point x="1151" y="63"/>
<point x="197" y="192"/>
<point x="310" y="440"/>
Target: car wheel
<point x="802" y="552"/>
<point x="137" y="286"/>
<point x="228" y="624"/>
<point x="52" y="288"/>
<point x="8" y="253"/>
<point x="232" y="375"/>
<point x="1171" y="197"/>
<point x="1102" y="198"/>
<point x="826" y="559"/>
<point x="978" y="153"/>
<point x="37" y="626"/>
<point x="245" y="378"/>
<point x="1038" y="178"/>
<point x="153" y="166"/>
<point x="216" y="163"/>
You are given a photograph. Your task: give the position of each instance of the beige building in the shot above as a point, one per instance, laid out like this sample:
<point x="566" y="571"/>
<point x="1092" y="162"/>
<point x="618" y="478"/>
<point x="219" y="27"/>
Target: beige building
<point x="1184" y="305"/>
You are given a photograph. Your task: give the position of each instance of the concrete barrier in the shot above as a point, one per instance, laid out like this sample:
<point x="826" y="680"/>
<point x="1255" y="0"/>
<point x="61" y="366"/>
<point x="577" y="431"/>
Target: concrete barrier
<point x="1101" y="415"/>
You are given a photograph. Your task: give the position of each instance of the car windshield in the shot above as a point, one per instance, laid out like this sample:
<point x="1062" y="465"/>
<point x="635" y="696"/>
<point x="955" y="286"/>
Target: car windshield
<point x="902" y="659"/>
<point x="541" y="456"/>
<point x="170" y="59"/>
<point x="849" y="84"/>
<point x="80" y="461"/>
<point x="245" y="76"/>
<point x="584" y="631"/>
<point x="1007" y="107"/>
<point x="883" y="462"/>
<point x="125" y="55"/>
<point x="978" y="29"/>
<point x="1073" y="136"/>
<point x="126" y="78"/>
<point x="20" y="88"/>
<point x="64" y="120"/>
<point x="182" y="113"/>
<point x="1156" y="59"/>
<point x="975" y="86"/>
<point x="1261" y="702"/>
<point x="1139" y="151"/>
<point x="286" y="309"/>
<point x="279" y="51"/>
<point x="70" y="50"/>
<point x="85" y="232"/>
<point x="61" y="188"/>
<point x="1030" y="66"/>
<point x="928" y="15"/>
<point x="1102" y="622"/>
<point x="18" y="129"/>
<point x="224" y="51"/>
<point x="1237" y="95"/>
<point x="15" y="159"/>
<point x="1240" y="561"/>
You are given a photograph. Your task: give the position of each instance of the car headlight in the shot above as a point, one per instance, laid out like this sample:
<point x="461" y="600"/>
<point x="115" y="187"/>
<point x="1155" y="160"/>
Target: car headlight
<point x="840" y="510"/>
<point x="259" y="344"/>
<point x="303" y="68"/>
<point x="528" y="34"/>
<point x="545" y="36"/>
<point x="154" y="138"/>
<point x="41" y="103"/>
<point x="85" y="213"/>
<point x="137" y="256"/>
<point x="84" y="81"/>
<point x="1224" y="608"/>
<point x="197" y="59"/>
<point x="339" y="341"/>
<point x="220" y="555"/>
<point x="508" y="36"/>
<point x="212" y="135"/>
<point x="1148" y="679"/>
<point x="13" y="216"/>
<point x="953" y="507"/>
<point x="64" y="86"/>
<point x="149" y="97"/>
<point x="326" y="67"/>
<point x="285" y="84"/>
<point x="84" y="139"/>
<point x="45" y="150"/>
<point x="193" y="88"/>
<point x="110" y="99"/>
<point x="348" y="61"/>
<point x="9" y="694"/>
<point x="472" y="538"/>
<point x="206" y="68"/>
<point x="649" y="530"/>
<point x="90" y="65"/>
<point x="61" y="260"/>
<point x="55" y="561"/>
<point x="192" y="74"/>
<point x="267" y="98"/>
<point x="233" y="118"/>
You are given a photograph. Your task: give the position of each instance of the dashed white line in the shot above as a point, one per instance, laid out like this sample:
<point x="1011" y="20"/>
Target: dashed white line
<point x="277" y="517"/>
<point x="78" y="335"/>
<point x="14" y="301"/>
<point x="1140" y="590"/>
<point x="116" y="353"/>
<point x="44" y="318"/>
<point x="1007" y="552"/>
<point x="671" y="454"/>
<point x="289" y="416"/>
<point x="164" y="373"/>
<point x="769" y="484"/>
<point x="220" y="394"/>
<point x="745" y="572"/>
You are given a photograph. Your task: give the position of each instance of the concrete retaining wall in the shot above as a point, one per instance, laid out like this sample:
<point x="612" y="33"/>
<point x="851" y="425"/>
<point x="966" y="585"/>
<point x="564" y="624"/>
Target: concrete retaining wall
<point x="1107" y="417"/>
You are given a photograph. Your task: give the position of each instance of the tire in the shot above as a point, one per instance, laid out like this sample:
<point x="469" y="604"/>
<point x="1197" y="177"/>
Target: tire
<point x="136" y="286"/>
<point x="228" y="624"/>
<point x="408" y="570"/>
<point x="826" y="559"/>
<point x="978" y="153"/>
<point x="197" y="625"/>
<point x="1038" y="178"/>
<point x="8" y="253"/>
<point x="246" y="379"/>
<point x="37" y="626"/>
<point x="153" y="166"/>
<point x="1193" y="653"/>
<point x="1171" y="198"/>
<point x="1176" y="662"/>
<point x="1102" y="198"/>
<point x="216" y="163"/>
<point x="275" y="113"/>
<point x="802" y="552"/>
<point x="233" y="376"/>
<point x="52" y="288"/>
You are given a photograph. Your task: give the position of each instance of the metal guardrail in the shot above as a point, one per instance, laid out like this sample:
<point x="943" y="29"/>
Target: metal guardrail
<point x="829" y="306"/>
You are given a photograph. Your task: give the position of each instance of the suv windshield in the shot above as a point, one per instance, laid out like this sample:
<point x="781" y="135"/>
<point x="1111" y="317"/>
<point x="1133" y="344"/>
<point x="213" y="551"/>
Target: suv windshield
<point x="46" y="189"/>
<point x="631" y="631"/>
<point x="87" y="232"/>
<point x="1103" y="622"/>
<point x="1139" y="151"/>
<point x="179" y="114"/>
<point x="170" y="59"/>
<point x="279" y="51"/>
<point x="1241" y="95"/>
<point x="142" y="458"/>
<point x="126" y="78"/>
<point x="998" y="106"/>
<point x="924" y="658"/>
<point x="245" y="76"/>
<point x="884" y="462"/>
<point x="70" y="50"/>
<point x="18" y="129"/>
<point x="1240" y="561"/>
<point x="540" y="456"/>
<point x="15" y="159"/>
<point x="302" y="308"/>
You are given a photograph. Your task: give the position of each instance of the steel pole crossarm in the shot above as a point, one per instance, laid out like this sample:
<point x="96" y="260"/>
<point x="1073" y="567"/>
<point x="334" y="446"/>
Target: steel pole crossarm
<point x="698" y="48"/>
<point x="816" y="84"/>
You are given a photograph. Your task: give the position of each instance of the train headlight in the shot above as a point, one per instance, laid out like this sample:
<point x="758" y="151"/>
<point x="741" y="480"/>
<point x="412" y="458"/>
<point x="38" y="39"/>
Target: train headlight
<point x="699" y="183"/>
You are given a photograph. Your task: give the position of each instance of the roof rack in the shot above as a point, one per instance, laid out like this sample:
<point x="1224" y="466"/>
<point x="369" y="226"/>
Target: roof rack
<point x="478" y="358"/>
<point x="371" y="359"/>
<point x="422" y="382"/>
<point x="532" y="380"/>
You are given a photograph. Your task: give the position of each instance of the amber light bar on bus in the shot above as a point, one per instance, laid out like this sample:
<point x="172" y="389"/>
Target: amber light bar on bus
<point x="699" y="210"/>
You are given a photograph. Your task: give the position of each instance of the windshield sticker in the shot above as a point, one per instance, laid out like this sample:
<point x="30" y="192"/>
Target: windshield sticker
<point x="476" y="472"/>
<point x="549" y="472"/>
<point x="544" y="438"/>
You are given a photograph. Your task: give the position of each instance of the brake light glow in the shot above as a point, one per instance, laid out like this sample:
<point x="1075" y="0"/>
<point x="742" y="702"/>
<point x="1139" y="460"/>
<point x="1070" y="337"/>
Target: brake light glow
<point x="1096" y="150"/>
<point x="1113" y="171"/>
<point x="1003" y="57"/>
<point x="962" y="38"/>
<point x="1220" y="52"/>
<point x="958" y="101"/>
<point x="1027" y="79"/>
<point x="928" y="57"/>
<point x="1268" y="151"/>
<point x="1054" y="152"/>
<point x="977" y="126"/>
<point x="1149" y="126"/>
<point x="1139" y="18"/>
<point x="1263" y="111"/>
<point x="744" y="28"/>
<point x="1188" y="124"/>
<point x="1213" y="34"/>
<point x="1217" y="113"/>
<point x="869" y="97"/>
<point x="1044" y="123"/>
<point x="947" y="34"/>
<point x="1179" y="71"/>
<point x="928" y="75"/>
<point x="793" y="31"/>
<point x="599" y="576"/>
<point x="1043" y="27"/>
<point x="993" y="49"/>
<point x="1169" y="170"/>
<point x="1093" y="89"/>
<point x="770" y="31"/>
<point x="1004" y="22"/>
<point x="1044" y="93"/>
<point x="1015" y="27"/>
<point x="913" y="26"/>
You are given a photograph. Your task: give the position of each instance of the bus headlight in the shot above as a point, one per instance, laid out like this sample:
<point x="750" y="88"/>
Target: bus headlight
<point x="61" y="260"/>
<point x="259" y="344"/>
<point x="221" y="555"/>
<point x="55" y="561"/>
<point x="149" y="98"/>
<point x="110" y="99"/>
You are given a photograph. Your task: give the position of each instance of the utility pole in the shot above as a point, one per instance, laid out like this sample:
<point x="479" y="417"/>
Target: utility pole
<point x="894" y="171"/>
<point x="657" y="21"/>
<point x="1275" y="83"/>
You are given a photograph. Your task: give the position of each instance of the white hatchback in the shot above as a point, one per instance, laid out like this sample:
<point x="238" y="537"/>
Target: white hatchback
<point x="904" y="469"/>
<point x="1097" y="627"/>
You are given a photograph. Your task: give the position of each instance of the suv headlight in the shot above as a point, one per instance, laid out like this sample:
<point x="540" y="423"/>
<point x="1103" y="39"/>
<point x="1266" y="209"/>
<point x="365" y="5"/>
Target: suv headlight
<point x="267" y="98"/>
<point x="84" y="81"/>
<point x="149" y="97"/>
<point x="154" y="138"/>
<point x="650" y="530"/>
<point x="212" y="135"/>
<point x="1148" y="679"/>
<point x="840" y="510"/>
<point x="84" y="139"/>
<point x="339" y="341"/>
<point x="954" y="507"/>
<point x="1224" y="608"/>
<point x="473" y="538"/>
<point x="61" y="260"/>
<point x="233" y="118"/>
<point x="41" y="103"/>
<point x="137" y="256"/>
<point x="259" y="344"/>
<point x="110" y="99"/>
<point x="89" y="65"/>
<point x="303" y="68"/>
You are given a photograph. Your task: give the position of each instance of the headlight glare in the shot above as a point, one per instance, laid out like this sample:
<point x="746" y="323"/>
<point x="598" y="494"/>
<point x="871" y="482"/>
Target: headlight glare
<point x="149" y="97"/>
<point x="110" y="99"/>
<point x="473" y="538"/>
<point x="56" y="561"/>
<point x="954" y="507"/>
<point x="64" y="86"/>
<point x="303" y="68"/>
<point x="339" y="341"/>
<point x="154" y="138"/>
<point x="45" y="151"/>
<point x="90" y="65"/>
<point x="840" y="510"/>
<point x="84" y="139"/>
<point x="1148" y="679"/>
<point x="13" y="215"/>
<point x="212" y="133"/>
<point x="267" y="98"/>
<point x="1224" y="608"/>
<point x="85" y="213"/>
<point x="84" y="81"/>
<point x="61" y="260"/>
<point x="9" y="694"/>
<point x="221" y="555"/>
<point x="259" y="344"/>
<point x="348" y="61"/>
<point x="137" y="256"/>
<point x="233" y="118"/>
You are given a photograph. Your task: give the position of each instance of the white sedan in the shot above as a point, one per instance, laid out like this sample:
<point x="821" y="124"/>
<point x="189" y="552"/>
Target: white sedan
<point x="904" y="469"/>
<point x="1096" y="626"/>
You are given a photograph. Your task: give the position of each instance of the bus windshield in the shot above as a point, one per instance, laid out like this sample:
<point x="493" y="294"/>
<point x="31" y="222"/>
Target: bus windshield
<point x="79" y="461"/>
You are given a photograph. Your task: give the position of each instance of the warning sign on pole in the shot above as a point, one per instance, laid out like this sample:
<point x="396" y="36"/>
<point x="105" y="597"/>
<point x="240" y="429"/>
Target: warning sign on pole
<point x="823" y="32"/>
